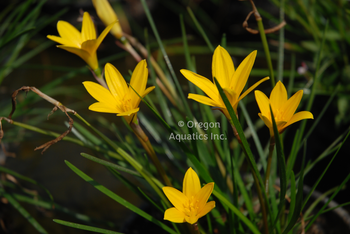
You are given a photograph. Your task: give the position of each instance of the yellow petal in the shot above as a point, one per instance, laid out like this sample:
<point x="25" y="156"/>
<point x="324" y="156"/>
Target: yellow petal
<point x="174" y="215"/>
<point x="90" y="59"/>
<point x="138" y="81"/>
<point x="263" y="103"/>
<point x="203" y="195"/>
<point x="291" y="105"/>
<point x="191" y="219"/>
<point x="222" y="66"/>
<point x="231" y="96"/>
<point x="204" y="100"/>
<point x="267" y="122"/>
<point x="115" y="82"/>
<point x="191" y="184"/>
<point x="88" y="31"/>
<point x="129" y="112"/>
<point x="103" y="35"/>
<point x="252" y="87"/>
<point x="206" y="209"/>
<point x="69" y="33"/>
<point x="147" y="91"/>
<point x="104" y="107"/>
<point x="106" y="13"/>
<point x="241" y="75"/>
<point x="299" y="116"/>
<point x="203" y="83"/>
<point x="62" y="41"/>
<point x="278" y="96"/>
<point x="99" y="92"/>
<point x="177" y="198"/>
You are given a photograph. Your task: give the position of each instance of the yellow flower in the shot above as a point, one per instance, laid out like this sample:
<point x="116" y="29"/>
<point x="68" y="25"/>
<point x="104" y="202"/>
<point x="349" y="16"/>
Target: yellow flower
<point x="83" y="44"/>
<point x="232" y="81"/>
<point x="120" y="98"/>
<point x="283" y="108"/>
<point x="107" y="15"/>
<point x="192" y="203"/>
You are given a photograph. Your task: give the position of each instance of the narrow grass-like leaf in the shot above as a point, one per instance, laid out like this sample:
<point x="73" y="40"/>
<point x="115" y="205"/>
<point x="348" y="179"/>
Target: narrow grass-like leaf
<point x="239" y="214"/>
<point x="299" y="198"/>
<point x="324" y="172"/>
<point x="84" y="227"/>
<point x="281" y="166"/>
<point x="328" y="201"/>
<point x="293" y="154"/>
<point x="292" y="197"/>
<point x="118" y="199"/>
<point x="22" y="177"/>
<point x="24" y="213"/>
<point x="200" y="29"/>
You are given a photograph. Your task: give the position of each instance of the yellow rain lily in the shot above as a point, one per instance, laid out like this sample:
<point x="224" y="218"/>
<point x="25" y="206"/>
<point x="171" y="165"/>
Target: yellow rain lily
<point x="107" y="15"/>
<point x="192" y="203"/>
<point x="120" y="98"/>
<point x="83" y="44"/>
<point x="232" y="81"/>
<point x="283" y="108"/>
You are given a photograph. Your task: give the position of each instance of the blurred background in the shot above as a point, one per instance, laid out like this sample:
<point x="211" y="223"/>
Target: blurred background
<point x="28" y="58"/>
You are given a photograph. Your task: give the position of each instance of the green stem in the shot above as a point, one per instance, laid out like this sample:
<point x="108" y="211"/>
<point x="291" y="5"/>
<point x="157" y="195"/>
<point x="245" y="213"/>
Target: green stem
<point x="150" y="151"/>
<point x="269" y="160"/>
<point x="266" y="49"/>
<point x="256" y="181"/>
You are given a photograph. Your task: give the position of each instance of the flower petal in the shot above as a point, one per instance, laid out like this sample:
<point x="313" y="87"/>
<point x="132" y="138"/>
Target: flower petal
<point x="147" y="91"/>
<point x="222" y="67"/>
<point x="138" y="81"/>
<point x="103" y="35"/>
<point x="177" y="198"/>
<point x="252" y="87"/>
<point x="241" y="75"/>
<point x="291" y="106"/>
<point x="104" y="107"/>
<point x="205" y="100"/>
<point x="263" y="103"/>
<point x="90" y="59"/>
<point x="206" y="209"/>
<point x="299" y="116"/>
<point x="203" y="83"/>
<point x="62" y="41"/>
<point x="99" y="92"/>
<point x="203" y="195"/>
<point x="191" y="219"/>
<point x="174" y="215"/>
<point x="278" y="96"/>
<point x="88" y="31"/>
<point x="267" y="122"/>
<point x="115" y="82"/>
<point x="129" y="112"/>
<point x="69" y="33"/>
<point x="191" y="184"/>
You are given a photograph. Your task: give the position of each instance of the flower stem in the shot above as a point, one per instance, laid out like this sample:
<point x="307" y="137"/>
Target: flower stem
<point x="269" y="160"/>
<point x="140" y="134"/>
<point x="256" y="181"/>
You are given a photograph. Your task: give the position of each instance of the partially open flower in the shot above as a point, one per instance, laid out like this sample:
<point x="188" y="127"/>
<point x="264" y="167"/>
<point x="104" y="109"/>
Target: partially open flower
<point x="120" y="98"/>
<point x="283" y="108"/>
<point x="84" y="43"/>
<point x="232" y="81"/>
<point x="191" y="204"/>
<point x="107" y="15"/>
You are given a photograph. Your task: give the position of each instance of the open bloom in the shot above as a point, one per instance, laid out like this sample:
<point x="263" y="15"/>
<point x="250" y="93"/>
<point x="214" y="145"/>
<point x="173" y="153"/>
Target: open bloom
<point x="232" y="81"/>
<point x="107" y="15"/>
<point x="192" y="203"/>
<point x="120" y="98"/>
<point x="283" y="108"/>
<point x="83" y="44"/>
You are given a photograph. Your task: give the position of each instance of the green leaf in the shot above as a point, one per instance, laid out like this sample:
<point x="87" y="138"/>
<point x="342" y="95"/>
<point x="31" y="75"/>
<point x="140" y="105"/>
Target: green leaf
<point x="117" y="198"/>
<point x="85" y="227"/>
<point x="24" y="213"/>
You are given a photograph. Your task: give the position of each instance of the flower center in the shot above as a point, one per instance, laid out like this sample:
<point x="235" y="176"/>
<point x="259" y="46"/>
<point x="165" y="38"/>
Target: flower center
<point x="191" y="207"/>
<point x="125" y="104"/>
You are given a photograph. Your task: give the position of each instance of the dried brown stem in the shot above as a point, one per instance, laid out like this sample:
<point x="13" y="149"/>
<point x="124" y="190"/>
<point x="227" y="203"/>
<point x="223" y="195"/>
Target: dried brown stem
<point x="258" y="18"/>
<point x="57" y="105"/>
